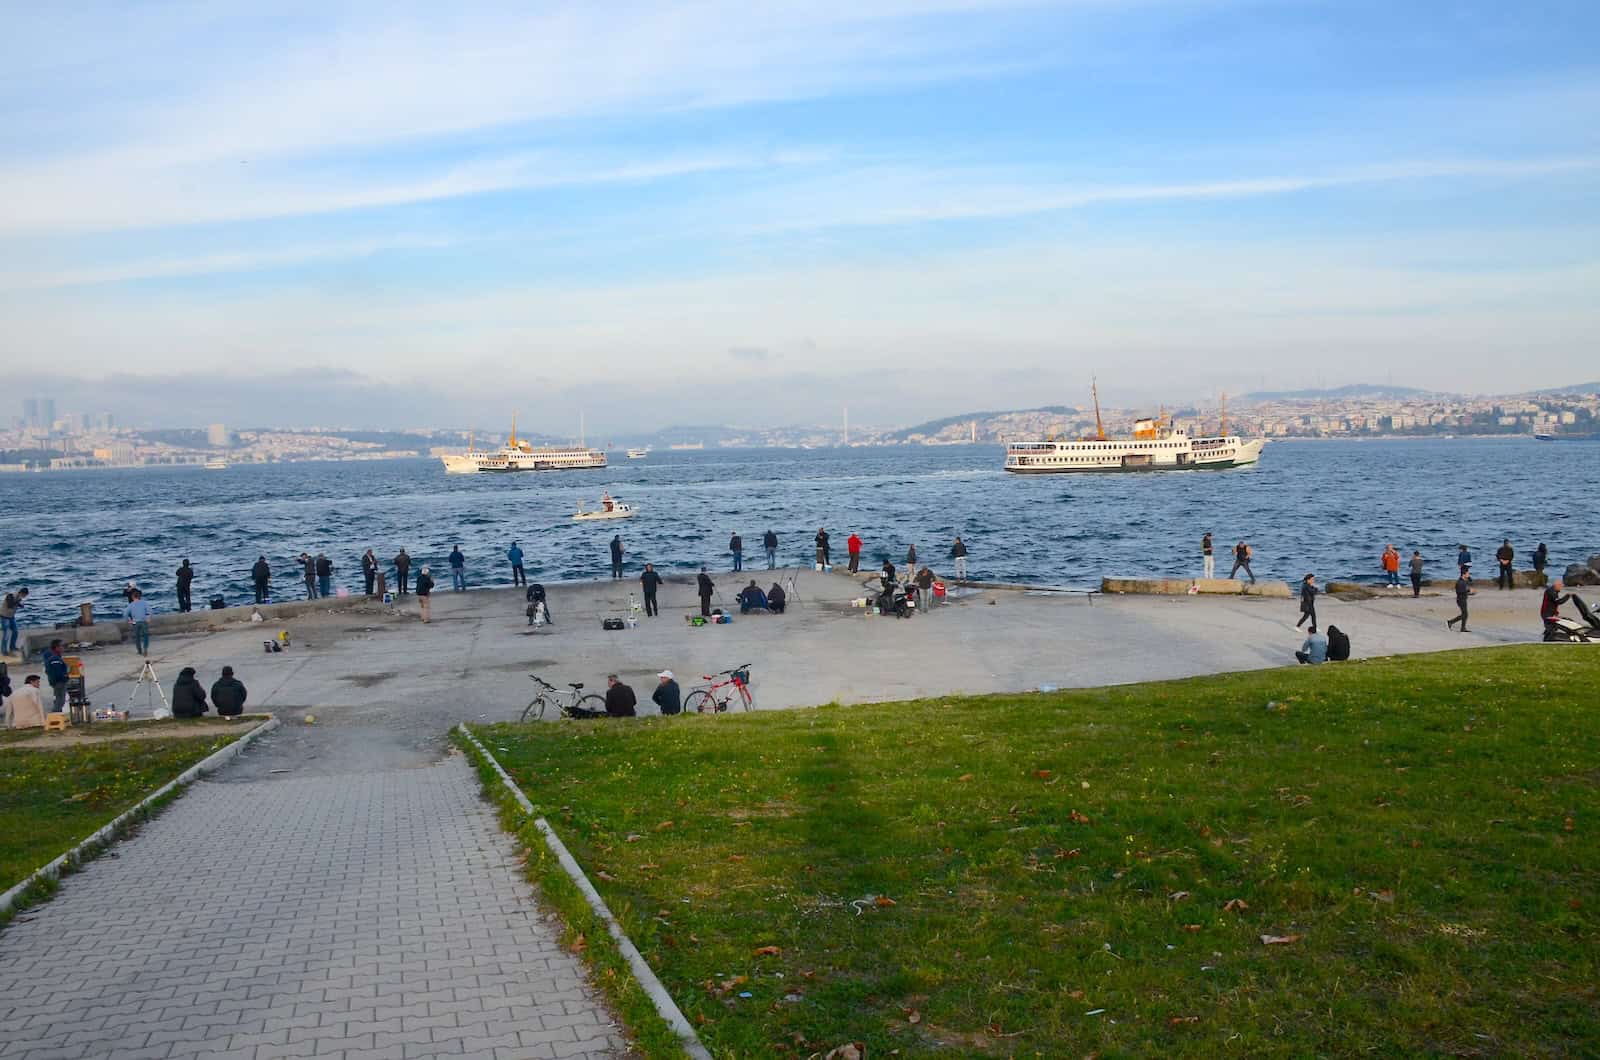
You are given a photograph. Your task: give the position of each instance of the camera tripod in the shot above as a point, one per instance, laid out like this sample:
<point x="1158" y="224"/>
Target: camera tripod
<point x="150" y="685"/>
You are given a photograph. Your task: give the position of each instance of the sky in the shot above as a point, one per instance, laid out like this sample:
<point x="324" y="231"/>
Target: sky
<point x="400" y="214"/>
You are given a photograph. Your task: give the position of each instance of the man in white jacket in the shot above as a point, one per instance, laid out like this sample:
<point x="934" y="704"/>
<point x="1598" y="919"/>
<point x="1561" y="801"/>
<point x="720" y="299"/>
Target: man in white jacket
<point x="25" y="710"/>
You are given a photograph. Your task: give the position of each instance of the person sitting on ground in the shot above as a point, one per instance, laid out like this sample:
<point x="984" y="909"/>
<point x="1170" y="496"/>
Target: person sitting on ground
<point x="751" y="598"/>
<point x="538" y="601"/>
<point x="188" y="695"/>
<point x="1314" y="650"/>
<point x="25" y="708"/>
<point x="228" y="694"/>
<point x="667" y="697"/>
<point x="1338" y="645"/>
<point x="620" y="699"/>
<point x="777" y="599"/>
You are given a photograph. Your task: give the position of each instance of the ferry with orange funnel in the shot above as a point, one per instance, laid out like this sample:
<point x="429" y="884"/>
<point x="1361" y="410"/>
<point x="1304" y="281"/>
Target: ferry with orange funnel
<point x="519" y="455"/>
<point x="1156" y="445"/>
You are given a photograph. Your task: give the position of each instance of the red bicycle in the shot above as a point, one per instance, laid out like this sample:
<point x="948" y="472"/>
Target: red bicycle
<point x="729" y="689"/>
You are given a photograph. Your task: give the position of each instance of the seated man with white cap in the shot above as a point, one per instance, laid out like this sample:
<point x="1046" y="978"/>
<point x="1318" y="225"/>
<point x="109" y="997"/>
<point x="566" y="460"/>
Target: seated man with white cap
<point x="666" y="696"/>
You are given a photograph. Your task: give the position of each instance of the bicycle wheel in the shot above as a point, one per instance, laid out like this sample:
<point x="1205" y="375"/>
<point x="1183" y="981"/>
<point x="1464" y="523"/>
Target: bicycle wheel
<point x="534" y="711"/>
<point x="592" y="703"/>
<point x="700" y="702"/>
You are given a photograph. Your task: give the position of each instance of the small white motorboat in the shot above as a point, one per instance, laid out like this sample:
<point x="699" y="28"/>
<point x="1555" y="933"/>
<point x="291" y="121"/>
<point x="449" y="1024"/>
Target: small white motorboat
<point x="610" y="508"/>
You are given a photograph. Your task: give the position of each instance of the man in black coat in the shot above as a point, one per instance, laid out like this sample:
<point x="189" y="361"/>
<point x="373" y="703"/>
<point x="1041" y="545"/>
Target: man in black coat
<point x="616" y="555"/>
<point x="185" y="580"/>
<point x="188" y="695"/>
<point x="1504" y="555"/>
<point x="369" y="570"/>
<point x="667" y="696"/>
<point x="261" y="575"/>
<point x="1463" y="590"/>
<point x="228" y="694"/>
<point x="769" y="542"/>
<point x="1308" y="601"/>
<point x="620" y="699"/>
<point x="649" y="582"/>
<point x="706" y="587"/>
<point x="402" y="571"/>
<point x="736" y="546"/>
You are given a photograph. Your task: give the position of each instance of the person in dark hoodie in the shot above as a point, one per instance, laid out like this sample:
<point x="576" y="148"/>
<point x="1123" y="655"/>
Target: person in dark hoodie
<point x="1308" y="601"/>
<point x="649" y="583"/>
<point x="1338" y="645"/>
<point x="261" y="575"/>
<point x="706" y="587"/>
<point x="228" y="694"/>
<point x="402" y="571"/>
<point x="769" y="542"/>
<point x="324" y="575"/>
<point x="736" y="546"/>
<point x="620" y="699"/>
<point x="188" y="695"/>
<point x="616" y="555"/>
<point x="1541" y="557"/>
<point x="185" y="581"/>
<point x="1505" y="556"/>
<point x="425" y="594"/>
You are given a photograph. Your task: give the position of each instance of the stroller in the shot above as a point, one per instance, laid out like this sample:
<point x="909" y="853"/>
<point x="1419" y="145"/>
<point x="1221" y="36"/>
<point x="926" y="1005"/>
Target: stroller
<point x="1571" y="631"/>
<point x="538" y="611"/>
<point x="892" y="599"/>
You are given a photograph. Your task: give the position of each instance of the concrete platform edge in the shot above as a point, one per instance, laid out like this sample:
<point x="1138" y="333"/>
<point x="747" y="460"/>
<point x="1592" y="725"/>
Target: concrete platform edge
<point x="210" y="764"/>
<point x="666" y="1008"/>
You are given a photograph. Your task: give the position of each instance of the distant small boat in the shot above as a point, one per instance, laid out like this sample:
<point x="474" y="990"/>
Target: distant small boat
<point x="1568" y="436"/>
<point x="610" y="508"/>
<point x="216" y="465"/>
<point x="638" y="454"/>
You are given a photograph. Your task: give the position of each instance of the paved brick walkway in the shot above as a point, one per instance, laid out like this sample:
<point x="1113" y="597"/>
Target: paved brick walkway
<point x="368" y="915"/>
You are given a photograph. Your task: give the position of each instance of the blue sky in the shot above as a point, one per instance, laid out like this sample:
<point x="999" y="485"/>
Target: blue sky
<point x="984" y="204"/>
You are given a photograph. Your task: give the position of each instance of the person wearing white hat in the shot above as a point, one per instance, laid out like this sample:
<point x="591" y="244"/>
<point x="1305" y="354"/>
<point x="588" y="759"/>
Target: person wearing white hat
<point x="667" y="696"/>
<point x="425" y="594"/>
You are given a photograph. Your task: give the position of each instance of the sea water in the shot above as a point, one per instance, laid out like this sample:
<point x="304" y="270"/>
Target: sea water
<point x="1323" y="506"/>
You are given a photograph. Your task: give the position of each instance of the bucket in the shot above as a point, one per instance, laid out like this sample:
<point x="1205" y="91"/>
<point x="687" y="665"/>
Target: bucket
<point x="938" y="588"/>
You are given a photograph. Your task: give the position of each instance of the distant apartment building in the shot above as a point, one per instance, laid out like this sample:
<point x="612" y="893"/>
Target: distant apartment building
<point x="217" y="435"/>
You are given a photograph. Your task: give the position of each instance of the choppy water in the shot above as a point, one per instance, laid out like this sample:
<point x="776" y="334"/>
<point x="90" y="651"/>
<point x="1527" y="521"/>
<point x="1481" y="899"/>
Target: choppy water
<point x="1322" y="506"/>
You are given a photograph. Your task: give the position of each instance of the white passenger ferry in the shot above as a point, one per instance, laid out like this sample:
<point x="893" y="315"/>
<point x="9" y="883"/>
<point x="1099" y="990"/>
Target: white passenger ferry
<point x="1155" y="446"/>
<point x="519" y="455"/>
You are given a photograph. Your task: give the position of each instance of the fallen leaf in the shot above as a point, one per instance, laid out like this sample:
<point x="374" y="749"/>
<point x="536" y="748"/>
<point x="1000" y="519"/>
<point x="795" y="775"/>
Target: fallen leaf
<point x="1076" y="995"/>
<point x="604" y="875"/>
<point x="634" y="837"/>
<point x="1280" y="940"/>
<point x="735" y="857"/>
<point x="1176" y="1020"/>
<point x="1178" y="896"/>
<point x="847" y="1051"/>
<point x="579" y="944"/>
<point x="912" y="1015"/>
<point x="1235" y="905"/>
<point x="1191" y="928"/>
<point x="1077" y="818"/>
<point x="663" y="826"/>
<point x="962" y="779"/>
<point x="1042" y="774"/>
<point x="1567" y="825"/>
<point x="884" y="900"/>
<point x="768" y="951"/>
<point x="1385" y="895"/>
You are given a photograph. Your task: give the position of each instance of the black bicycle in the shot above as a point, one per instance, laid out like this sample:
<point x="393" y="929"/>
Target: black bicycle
<point x="565" y="703"/>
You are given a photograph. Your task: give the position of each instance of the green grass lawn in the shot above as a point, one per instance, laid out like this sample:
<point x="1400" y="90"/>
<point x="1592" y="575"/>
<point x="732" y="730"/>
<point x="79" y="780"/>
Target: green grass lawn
<point x="1095" y="871"/>
<point x="50" y="800"/>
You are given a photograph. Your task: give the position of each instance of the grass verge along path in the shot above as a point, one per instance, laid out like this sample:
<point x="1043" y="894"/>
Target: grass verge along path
<point x="53" y="798"/>
<point x="1397" y="856"/>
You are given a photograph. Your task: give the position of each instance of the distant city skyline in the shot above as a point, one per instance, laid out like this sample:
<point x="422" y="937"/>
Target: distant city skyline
<point x="421" y="214"/>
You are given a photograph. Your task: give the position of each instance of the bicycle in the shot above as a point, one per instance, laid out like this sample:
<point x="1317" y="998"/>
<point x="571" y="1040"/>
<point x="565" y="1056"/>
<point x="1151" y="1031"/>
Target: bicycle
<point x="707" y="701"/>
<point x="569" y="703"/>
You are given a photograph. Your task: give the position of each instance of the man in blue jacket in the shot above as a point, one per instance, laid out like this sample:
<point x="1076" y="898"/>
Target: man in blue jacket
<point x="55" y="672"/>
<point x="514" y="554"/>
<point x="458" y="569"/>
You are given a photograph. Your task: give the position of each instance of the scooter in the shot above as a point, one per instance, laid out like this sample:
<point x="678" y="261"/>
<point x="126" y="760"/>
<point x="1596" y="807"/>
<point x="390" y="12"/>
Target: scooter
<point x="1571" y="631"/>
<point x="892" y="599"/>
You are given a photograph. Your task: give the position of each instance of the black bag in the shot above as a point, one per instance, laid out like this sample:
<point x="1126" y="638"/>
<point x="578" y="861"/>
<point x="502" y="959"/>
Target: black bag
<point x="611" y="623"/>
<point x="218" y="603"/>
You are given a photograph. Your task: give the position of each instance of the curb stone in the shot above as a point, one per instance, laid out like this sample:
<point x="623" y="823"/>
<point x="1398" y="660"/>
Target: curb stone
<point x="210" y="764"/>
<point x="665" y="1006"/>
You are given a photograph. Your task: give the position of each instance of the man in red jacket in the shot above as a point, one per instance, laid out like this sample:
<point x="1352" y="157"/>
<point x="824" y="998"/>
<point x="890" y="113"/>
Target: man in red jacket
<point x="853" y="546"/>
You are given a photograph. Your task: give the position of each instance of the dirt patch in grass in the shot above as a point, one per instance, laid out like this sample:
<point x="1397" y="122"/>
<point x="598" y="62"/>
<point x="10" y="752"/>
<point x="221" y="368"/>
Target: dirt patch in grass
<point x="1399" y="856"/>
<point x="102" y="732"/>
